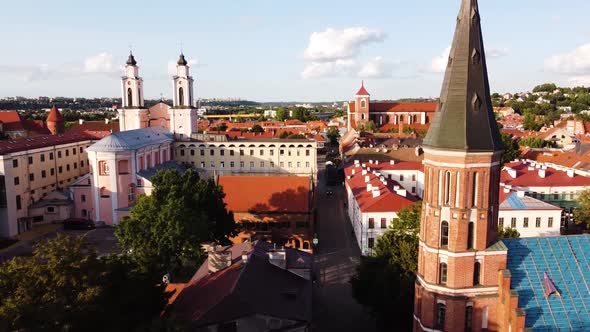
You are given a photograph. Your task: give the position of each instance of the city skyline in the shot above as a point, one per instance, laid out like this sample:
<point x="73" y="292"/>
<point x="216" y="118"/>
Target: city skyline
<point x="293" y="53"/>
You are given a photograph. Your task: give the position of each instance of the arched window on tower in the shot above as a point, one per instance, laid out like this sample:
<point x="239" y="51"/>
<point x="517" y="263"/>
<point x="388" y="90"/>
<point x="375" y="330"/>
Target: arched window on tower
<point x="476" y="273"/>
<point x="474" y="189"/>
<point x="181" y="96"/>
<point x="442" y="277"/>
<point x="440" y="315"/>
<point x="470" y="235"/>
<point x="444" y="233"/>
<point x="363" y="103"/>
<point x="447" y="188"/>
<point x="468" y="318"/>
<point x="129" y="97"/>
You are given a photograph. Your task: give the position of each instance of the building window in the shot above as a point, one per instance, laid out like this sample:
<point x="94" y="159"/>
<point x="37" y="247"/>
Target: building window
<point x="231" y="152"/>
<point x="82" y="163"/>
<point x="241" y="152"/>
<point x="307" y="153"/>
<point x="371" y="243"/>
<point x="67" y="153"/>
<point x="192" y="152"/>
<point x="75" y="165"/>
<point x="470" y="235"/>
<point x="18" y="203"/>
<point x="383" y="222"/>
<point x="16" y="181"/>
<point x="444" y="233"/>
<point x="212" y="165"/>
<point x="123" y="167"/>
<point x="15" y="163"/>
<point x="211" y="152"/>
<point x="52" y="171"/>
<point x="501" y="223"/>
<point x="272" y="164"/>
<point x="525" y="222"/>
<point x="181" y="153"/>
<point x="476" y="273"/>
<point x="59" y="154"/>
<point x="241" y="164"/>
<point x="50" y="209"/>
<point x="538" y="222"/>
<point x="81" y="149"/>
<point x="31" y="177"/>
<point x="43" y="174"/>
<point x="131" y="195"/>
<point x="251" y="164"/>
<point x="83" y="198"/>
<point x="447" y="187"/>
<point x="222" y="165"/>
<point x="271" y="152"/>
<point x="401" y="177"/>
<point x="74" y="150"/>
<point x="468" y="318"/>
<point x="282" y="152"/>
<point x="67" y="167"/>
<point x="231" y="164"/>
<point x="371" y="223"/>
<point x="298" y="164"/>
<point x="474" y="190"/>
<point x="282" y="163"/>
<point x="297" y="153"/>
<point x="84" y="213"/>
<point x="30" y="160"/>
<point x="251" y="152"/>
<point x="262" y="164"/>
<point x="222" y="152"/>
<point x="513" y="222"/>
<point x="413" y="177"/>
<point x="550" y="222"/>
<point x="50" y="155"/>
<point x="442" y="278"/>
<point x="261" y="152"/>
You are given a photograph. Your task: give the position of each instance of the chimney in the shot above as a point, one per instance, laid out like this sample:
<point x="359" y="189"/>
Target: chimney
<point x="401" y="192"/>
<point x="369" y="187"/>
<point x="392" y="162"/>
<point x="520" y="193"/>
<point x="349" y="177"/>
<point x="369" y="169"/>
<point x="367" y="178"/>
<point x="506" y="190"/>
<point x="370" y="161"/>
<point x="512" y="173"/>
<point x="80" y="121"/>
<point x="542" y="173"/>
<point x="106" y="121"/>
<point x="376" y="162"/>
<point x="218" y="259"/>
<point x="353" y="172"/>
<point x="531" y="168"/>
<point x="570" y="173"/>
<point x="278" y="257"/>
<point x="376" y="192"/>
<point x="364" y="172"/>
<point x="356" y="162"/>
<point x="384" y="182"/>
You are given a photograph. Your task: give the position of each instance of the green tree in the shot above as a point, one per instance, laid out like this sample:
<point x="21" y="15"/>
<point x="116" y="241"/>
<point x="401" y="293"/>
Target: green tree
<point x="166" y="229"/>
<point x="408" y="130"/>
<point x="582" y="213"/>
<point x="282" y="114"/>
<point x="533" y="142"/>
<point x="508" y="233"/>
<point x="257" y="129"/>
<point x="333" y="134"/>
<point x="384" y="282"/>
<point x="511" y="149"/>
<point x="367" y="126"/>
<point x="547" y="87"/>
<point x="66" y="287"/>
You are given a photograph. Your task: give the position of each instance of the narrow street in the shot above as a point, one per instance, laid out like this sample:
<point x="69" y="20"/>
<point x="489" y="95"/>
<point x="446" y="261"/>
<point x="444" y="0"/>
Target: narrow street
<point x="335" y="262"/>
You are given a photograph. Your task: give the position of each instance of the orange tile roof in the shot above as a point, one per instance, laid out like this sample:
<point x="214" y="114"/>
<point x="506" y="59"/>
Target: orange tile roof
<point x="402" y="107"/>
<point x="95" y="129"/>
<point x="531" y="178"/>
<point x="54" y="115"/>
<point x="266" y="193"/>
<point x="11" y="121"/>
<point x="38" y="142"/>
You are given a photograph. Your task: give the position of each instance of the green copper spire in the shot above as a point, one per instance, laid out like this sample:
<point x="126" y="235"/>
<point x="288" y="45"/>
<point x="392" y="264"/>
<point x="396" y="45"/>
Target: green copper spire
<point x="465" y="119"/>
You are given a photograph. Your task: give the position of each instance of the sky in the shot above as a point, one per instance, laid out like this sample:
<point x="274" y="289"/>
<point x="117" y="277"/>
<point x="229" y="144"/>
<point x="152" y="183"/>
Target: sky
<point x="268" y="50"/>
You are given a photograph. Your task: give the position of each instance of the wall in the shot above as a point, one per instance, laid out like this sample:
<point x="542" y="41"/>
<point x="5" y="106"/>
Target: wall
<point x="532" y="230"/>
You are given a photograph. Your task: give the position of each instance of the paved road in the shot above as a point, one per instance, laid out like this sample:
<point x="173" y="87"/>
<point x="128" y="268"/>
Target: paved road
<point x="336" y="259"/>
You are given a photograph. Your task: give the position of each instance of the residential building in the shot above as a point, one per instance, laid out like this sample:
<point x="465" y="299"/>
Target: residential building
<point x="373" y="202"/>
<point x="250" y="286"/>
<point x="529" y="216"/>
<point x="14" y="127"/>
<point x="30" y="169"/>
<point x="272" y="208"/>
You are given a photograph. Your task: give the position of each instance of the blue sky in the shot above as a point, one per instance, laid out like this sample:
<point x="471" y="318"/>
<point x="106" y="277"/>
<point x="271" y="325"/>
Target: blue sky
<point x="268" y="50"/>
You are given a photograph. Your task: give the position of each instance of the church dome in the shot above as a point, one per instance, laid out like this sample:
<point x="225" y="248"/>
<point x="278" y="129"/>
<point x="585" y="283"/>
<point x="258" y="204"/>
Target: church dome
<point x="182" y="60"/>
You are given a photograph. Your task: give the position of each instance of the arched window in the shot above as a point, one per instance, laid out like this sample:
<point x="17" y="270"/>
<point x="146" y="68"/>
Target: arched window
<point x="181" y="96"/>
<point x="476" y="273"/>
<point x="103" y="192"/>
<point x="129" y="97"/>
<point x="363" y="103"/>
<point x="444" y="233"/>
<point x="442" y="278"/>
<point x="131" y="193"/>
<point x="440" y="315"/>
<point x="474" y="189"/>
<point x="470" y="235"/>
<point x="447" y="188"/>
<point x="362" y="116"/>
<point x="401" y="118"/>
<point x="468" y="318"/>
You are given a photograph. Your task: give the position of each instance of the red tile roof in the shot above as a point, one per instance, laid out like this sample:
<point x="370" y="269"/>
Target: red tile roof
<point x="266" y="193"/>
<point x="54" y="115"/>
<point x="398" y="166"/>
<point x="35" y="127"/>
<point x="38" y="142"/>
<point x="94" y="129"/>
<point x="11" y="121"/>
<point x="402" y="107"/>
<point x="531" y="178"/>
<point x="387" y="201"/>
<point x="362" y="91"/>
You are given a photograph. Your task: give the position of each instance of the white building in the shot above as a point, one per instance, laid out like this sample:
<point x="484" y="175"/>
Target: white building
<point x="529" y="216"/>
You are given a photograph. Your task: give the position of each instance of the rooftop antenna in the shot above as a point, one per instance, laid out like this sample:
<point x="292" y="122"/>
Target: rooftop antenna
<point x="161" y="96"/>
<point x="181" y="48"/>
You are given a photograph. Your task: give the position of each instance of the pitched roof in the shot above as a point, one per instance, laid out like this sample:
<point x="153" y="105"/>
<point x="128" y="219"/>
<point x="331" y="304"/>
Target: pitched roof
<point x="132" y="140"/>
<point x="266" y="193"/>
<point x="54" y="115"/>
<point x="96" y="129"/>
<point x="465" y="121"/>
<point x="362" y="91"/>
<point x="256" y="287"/>
<point x="565" y="259"/>
<point x="402" y="107"/>
<point x="526" y="177"/>
<point x="512" y="201"/>
<point x="11" y="121"/>
<point x="40" y="141"/>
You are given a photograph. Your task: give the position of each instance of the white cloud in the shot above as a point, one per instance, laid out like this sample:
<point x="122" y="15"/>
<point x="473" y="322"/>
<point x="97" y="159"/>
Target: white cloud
<point x="579" y="81"/>
<point x="329" y="69"/>
<point x="439" y="63"/>
<point x="172" y="65"/>
<point x="100" y="63"/>
<point x="333" y="44"/>
<point x="378" y="68"/>
<point x="575" y="62"/>
<point x="494" y="52"/>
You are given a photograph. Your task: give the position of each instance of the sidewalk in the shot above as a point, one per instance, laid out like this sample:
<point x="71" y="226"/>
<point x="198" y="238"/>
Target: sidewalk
<point x="32" y="235"/>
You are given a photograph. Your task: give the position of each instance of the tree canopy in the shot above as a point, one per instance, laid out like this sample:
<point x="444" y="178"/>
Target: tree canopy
<point x="511" y="149"/>
<point x="547" y="87"/>
<point x="166" y="229"/>
<point x="64" y="286"/>
<point x="582" y="213"/>
<point x="533" y="142"/>
<point x="333" y="134"/>
<point x="282" y="114"/>
<point x="507" y="233"/>
<point x="257" y="129"/>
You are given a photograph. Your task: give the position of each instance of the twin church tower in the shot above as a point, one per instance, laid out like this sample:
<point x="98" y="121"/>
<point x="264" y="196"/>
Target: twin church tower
<point x="182" y="114"/>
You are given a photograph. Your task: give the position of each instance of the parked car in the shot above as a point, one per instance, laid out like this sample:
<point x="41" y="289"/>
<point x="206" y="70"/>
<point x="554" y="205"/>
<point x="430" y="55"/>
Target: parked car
<point x="78" y="223"/>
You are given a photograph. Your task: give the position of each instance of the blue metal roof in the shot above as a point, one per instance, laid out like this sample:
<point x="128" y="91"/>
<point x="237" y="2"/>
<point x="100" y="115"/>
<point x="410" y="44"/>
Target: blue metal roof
<point x="515" y="201"/>
<point x="566" y="259"/>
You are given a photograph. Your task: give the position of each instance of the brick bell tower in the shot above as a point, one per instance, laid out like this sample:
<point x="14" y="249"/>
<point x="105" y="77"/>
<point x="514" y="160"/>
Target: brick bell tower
<point x="361" y="105"/>
<point x="459" y="255"/>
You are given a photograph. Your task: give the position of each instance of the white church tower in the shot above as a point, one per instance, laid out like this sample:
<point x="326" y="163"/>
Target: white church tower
<point x="132" y="114"/>
<point x="183" y="115"/>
